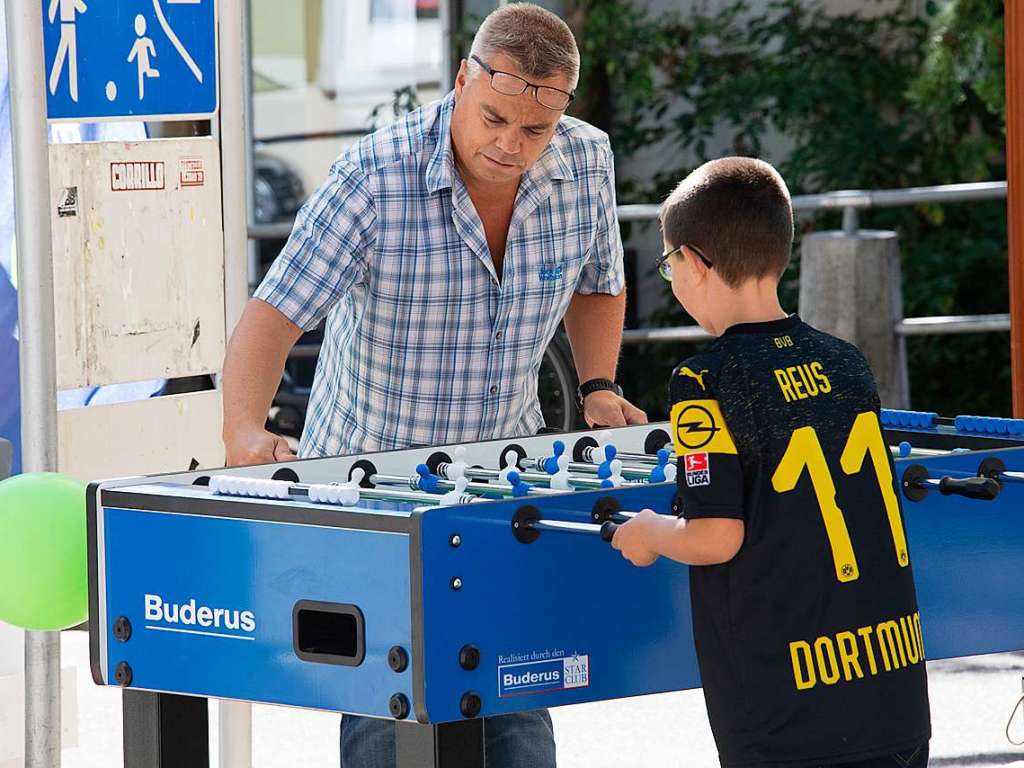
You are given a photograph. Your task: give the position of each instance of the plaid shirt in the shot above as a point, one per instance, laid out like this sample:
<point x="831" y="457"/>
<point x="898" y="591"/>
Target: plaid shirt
<point x="424" y="344"/>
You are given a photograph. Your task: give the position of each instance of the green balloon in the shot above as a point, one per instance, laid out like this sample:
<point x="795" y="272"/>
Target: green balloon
<point x="44" y="582"/>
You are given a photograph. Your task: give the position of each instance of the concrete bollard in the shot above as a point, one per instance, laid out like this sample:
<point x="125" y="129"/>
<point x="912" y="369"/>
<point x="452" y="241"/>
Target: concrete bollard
<point x="850" y="286"/>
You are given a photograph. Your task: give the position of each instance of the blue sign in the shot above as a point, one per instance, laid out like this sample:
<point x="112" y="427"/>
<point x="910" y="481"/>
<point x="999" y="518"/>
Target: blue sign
<point x="110" y="59"/>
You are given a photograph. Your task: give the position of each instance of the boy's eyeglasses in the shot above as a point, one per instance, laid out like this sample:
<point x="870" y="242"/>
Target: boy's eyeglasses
<point x="664" y="263"/>
<point x="514" y="85"/>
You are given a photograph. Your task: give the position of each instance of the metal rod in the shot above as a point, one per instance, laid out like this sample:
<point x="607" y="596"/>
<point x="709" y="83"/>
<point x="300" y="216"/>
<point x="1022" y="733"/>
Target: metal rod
<point x="235" y="722"/>
<point x="493" y="489"/>
<point x="287" y="138"/>
<point x="564" y="526"/>
<point x="844" y="199"/>
<point x="895" y="450"/>
<point x="657" y="335"/>
<point x="233" y="161"/>
<point x="941" y="325"/>
<point x="1010" y="476"/>
<point x="863" y="199"/>
<point x="279" y="231"/>
<point x="24" y="24"/>
<point x="536" y="477"/>
<point x="42" y="700"/>
<point x="851" y="220"/>
<point x="252" y="248"/>
<point x="912" y="326"/>
<point x="625" y="456"/>
<point x="449" y="25"/>
<point x="630" y="473"/>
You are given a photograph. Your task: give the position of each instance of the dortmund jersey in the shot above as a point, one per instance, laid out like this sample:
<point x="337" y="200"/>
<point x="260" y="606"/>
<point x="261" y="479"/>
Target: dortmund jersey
<point x="809" y="639"/>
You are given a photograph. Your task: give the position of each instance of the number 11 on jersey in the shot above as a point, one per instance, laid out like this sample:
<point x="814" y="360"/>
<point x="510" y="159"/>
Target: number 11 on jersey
<point x="804" y="452"/>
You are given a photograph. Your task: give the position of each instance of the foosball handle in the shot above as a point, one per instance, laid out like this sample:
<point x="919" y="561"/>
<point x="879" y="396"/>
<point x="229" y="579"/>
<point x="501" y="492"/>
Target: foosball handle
<point x="608" y="530"/>
<point x="984" y="488"/>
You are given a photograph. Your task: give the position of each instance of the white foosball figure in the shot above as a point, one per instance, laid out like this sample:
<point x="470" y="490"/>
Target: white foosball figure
<point x="458" y="466"/>
<point x="616" y="478"/>
<point x="511" y="465"/>
<point x="604" y="439"/>
<point x="560" y="480"/>
<point x="456" y="495"/>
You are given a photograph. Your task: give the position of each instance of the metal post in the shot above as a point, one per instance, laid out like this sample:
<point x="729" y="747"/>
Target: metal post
<point x="165" y="730"/>
<point x="233" y="160"/>
<point x="851" y="220"/>
<point x="449" y="25"/>
<point x="235" y="726"/>
<point x="1014" y="24"/>
<point x="38" y="357"/>
<point x="458" y="744"/>
<point x="252" y="247"/>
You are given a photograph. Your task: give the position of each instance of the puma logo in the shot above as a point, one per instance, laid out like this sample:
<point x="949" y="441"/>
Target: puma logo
<point x="684" y="371"/>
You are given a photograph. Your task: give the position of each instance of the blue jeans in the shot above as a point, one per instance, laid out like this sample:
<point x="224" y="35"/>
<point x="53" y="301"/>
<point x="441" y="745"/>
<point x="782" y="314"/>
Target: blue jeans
<point x="520" y="740"/>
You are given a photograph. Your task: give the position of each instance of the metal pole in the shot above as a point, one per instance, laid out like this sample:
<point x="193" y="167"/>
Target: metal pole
<point x="449" y="25"/>
<point x="38" y="358"/>
<point x="233" y="159"/>
<point x="235" y="727"/>
<point x="253" y="250"/>
<point x="851" y="221"/>
<point x="1014" y="24"/>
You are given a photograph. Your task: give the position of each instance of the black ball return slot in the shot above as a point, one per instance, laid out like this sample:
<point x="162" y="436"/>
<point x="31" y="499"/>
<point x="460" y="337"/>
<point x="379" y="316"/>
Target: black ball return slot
<point x="328" y="633"/>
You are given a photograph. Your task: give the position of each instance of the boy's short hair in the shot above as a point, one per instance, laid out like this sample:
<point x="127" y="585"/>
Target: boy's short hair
<point x="737" y="212"/>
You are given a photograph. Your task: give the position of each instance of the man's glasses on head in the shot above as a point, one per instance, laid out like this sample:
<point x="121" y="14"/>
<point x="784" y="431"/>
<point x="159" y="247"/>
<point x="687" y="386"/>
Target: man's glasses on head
<point x="513" y="85"/>
<point x="664" y="262"/>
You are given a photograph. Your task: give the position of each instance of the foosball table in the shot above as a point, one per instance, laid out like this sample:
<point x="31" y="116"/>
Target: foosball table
<point x="440" y="585"/>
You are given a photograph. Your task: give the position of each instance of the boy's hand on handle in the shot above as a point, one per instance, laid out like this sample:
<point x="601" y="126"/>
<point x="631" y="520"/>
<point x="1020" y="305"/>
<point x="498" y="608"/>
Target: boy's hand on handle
<point x="255" y="446"/>
<point x="631" y="539"/>
<point x="607" y="409"/>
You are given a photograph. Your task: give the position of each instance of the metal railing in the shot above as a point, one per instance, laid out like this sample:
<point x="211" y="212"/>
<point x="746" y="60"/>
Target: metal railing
<point x="850" y="203"/>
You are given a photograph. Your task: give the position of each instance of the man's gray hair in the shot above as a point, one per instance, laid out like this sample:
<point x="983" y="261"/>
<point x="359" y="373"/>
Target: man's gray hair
<point x="539" y="42"/>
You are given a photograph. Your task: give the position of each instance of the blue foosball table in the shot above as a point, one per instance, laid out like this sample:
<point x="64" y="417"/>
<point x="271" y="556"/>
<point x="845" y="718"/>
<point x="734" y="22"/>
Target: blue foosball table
<point x="436" y="586"/>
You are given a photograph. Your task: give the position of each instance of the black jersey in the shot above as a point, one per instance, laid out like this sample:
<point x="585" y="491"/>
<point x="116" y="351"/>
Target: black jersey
<point x="809" y="639"/>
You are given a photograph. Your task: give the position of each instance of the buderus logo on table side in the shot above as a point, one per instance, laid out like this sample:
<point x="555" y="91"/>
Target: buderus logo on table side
<point x="192" y="618"/>
<point x="543" y="676"/>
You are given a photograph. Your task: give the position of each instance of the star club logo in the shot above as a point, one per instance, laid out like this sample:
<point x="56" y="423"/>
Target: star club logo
<point x="695" y="427"/>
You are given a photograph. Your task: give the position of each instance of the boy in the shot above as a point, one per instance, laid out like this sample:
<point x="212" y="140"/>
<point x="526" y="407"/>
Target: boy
<point x="804" y="612"/>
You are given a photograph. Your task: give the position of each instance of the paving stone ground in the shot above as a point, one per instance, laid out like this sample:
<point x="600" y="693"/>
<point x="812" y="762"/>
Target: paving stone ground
<point x="971" y="702"/>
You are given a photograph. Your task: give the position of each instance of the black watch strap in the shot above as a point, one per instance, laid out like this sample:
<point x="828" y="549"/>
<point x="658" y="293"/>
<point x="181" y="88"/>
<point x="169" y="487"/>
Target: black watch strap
<point x="596" y="385"/>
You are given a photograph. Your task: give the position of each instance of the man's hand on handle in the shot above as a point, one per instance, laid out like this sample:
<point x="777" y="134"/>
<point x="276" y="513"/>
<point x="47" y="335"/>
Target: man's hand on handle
<point x="606" y="409"/>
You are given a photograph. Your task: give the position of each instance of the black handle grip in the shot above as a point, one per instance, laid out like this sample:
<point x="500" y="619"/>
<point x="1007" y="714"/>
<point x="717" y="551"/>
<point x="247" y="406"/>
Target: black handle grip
<point x="608" y="530"/>
<point x="984" y="488"/>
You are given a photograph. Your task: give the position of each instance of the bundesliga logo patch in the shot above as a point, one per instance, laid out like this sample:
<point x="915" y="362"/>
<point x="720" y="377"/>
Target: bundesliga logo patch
<point x="697" y="471"/>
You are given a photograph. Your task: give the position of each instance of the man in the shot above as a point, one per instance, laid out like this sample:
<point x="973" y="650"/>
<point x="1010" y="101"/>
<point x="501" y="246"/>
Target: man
<point x="445" y="250"/>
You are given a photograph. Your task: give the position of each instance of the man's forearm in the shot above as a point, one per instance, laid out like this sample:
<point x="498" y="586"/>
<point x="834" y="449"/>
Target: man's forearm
<point x="594" y="326"/>
<point x="253" y="365"/>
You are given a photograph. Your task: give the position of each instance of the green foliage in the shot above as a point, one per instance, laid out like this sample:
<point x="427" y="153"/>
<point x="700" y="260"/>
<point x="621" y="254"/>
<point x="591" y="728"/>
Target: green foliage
<point x="965" y="61"/>
<point x="878" y="99"/>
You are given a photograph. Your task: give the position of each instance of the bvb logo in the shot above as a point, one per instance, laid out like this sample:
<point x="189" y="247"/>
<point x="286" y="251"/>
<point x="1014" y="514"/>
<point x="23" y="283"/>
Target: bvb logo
<point x="695" y="427"/>
<point x="847" y="570"/>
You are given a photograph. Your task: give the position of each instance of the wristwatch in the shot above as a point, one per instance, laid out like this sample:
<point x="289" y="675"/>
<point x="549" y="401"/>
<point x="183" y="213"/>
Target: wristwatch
<point x="596" y="385"/>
